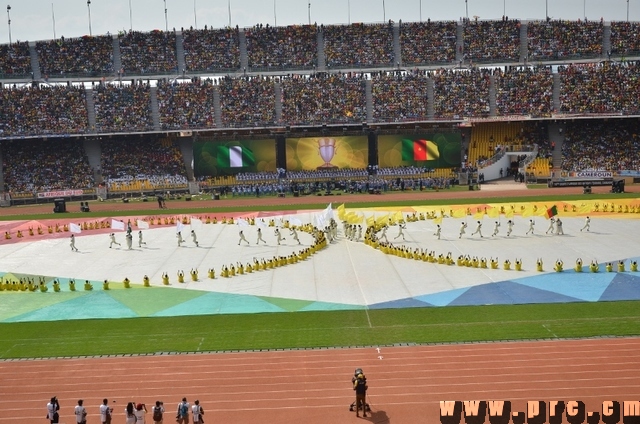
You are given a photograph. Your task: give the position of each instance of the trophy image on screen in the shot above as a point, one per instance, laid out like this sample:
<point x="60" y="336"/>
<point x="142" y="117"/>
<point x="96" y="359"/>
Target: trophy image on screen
<point x="327" y="149"/>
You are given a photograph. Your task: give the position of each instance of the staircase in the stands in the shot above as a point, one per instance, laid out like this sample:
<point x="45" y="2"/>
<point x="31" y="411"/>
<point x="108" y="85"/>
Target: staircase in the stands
<point x="524" y="41"/>
<point x="397" y="51"/>
<point x="91" y="110"/>
<point x="242" y="45"/>
<point x="606" y="39"/>
<point x="182" y="67"/>
<point x="35" y="63"/>
<point x="155" y="111"/>
<point x="117" y="58"/>
<point x="322" y="62"/>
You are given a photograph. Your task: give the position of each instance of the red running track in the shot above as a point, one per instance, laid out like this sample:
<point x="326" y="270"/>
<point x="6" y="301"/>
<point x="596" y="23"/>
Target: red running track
<point x="314" y="386"/>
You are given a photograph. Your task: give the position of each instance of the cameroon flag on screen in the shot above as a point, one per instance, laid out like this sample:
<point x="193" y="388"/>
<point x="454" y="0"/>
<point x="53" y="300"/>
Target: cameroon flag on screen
<point x="235" y="157"/>
<point x="418" y="150"/>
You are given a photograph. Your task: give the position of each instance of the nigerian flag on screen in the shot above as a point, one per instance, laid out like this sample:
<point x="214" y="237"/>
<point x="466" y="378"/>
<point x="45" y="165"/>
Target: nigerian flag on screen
<point x="235" y="157"/>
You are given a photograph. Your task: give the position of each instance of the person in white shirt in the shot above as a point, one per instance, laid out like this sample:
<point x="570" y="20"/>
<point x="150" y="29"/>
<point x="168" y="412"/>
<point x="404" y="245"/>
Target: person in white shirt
<point x="197" y="412"/>
<point x="587" y="224"/>
<point x="52" y="410"/>
<point x="194" y="238"/>
<point x="478" y="229"/>
<point x="81" y="413"/>
<point x="129" y="413"/>
<point x="140" y="242"/>
<point x="105" y="412"/>
<point x="141" y="410"/>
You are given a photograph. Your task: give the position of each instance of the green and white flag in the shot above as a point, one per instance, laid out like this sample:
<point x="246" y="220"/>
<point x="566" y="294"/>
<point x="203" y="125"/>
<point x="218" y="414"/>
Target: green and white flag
<point x="235" y="157"/>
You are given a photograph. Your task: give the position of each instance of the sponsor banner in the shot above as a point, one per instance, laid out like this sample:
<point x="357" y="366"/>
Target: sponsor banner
<point x="629" y="173"/>
<point x="501" y="118"/>
<point x="579" y="183"/>
<point x="61" y="193"/>
<point x="591" y="174"/>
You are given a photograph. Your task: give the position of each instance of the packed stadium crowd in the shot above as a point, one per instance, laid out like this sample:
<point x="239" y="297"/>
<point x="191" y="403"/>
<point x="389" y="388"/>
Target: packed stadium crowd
<point x="122" y="108"/>
<point x="85" y="56"/>
<point x="524" y="91"/>
<point x="354" y="45"/>
<point x="492" y="40"/>
<point x="600" y="88"/>
<point x="461" y="93"/>
<point x="43" y="110"/>
<point x="15" y="59"/>
<point x="321" y="98"/>
<point x="148" y="53"/>
<point x="211" y="49"/>
<point x="625" y="38"/>
<point x="428" y="42"/>
<point x="247" y="101"/>
<point x="291" y="47"/>
<point x="40" y="166"/>
<point x="157" y="160"/>
<point x="315" y="98"/>
<point x="553" y="40"/>
<point x="399" y="96"/>
<point x="602" y="145"/>
<point x="187" y="105"/>
<point x="324" y="98"/>
<point x="358" y="45"/>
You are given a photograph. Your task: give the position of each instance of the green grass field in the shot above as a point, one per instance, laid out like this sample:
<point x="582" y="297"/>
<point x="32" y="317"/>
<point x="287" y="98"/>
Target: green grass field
<point x="301" y="330"/>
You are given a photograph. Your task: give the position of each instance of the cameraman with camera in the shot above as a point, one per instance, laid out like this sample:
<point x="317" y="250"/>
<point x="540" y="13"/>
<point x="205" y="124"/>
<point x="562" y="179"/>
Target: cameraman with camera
<point x="52" y="410"/>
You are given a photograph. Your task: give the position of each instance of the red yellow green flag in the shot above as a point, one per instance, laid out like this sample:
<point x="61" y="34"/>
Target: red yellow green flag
<point x="419" y="150"/>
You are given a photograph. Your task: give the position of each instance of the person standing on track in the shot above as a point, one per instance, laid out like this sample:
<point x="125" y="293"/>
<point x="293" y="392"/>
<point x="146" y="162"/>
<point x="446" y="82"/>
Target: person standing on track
<point x="129" y="413"/>
<point x="52" y="410"/>
<point x="182" y="417"/>
<point x="197" y="412"/>
<point x="80" y="412"/>
<point x="105" y="412"/>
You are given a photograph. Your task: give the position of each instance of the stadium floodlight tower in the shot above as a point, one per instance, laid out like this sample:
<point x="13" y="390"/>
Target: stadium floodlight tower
<point x="9" y="21"/>
<point x="89" y="9"/>
<point x="166" y="20"/>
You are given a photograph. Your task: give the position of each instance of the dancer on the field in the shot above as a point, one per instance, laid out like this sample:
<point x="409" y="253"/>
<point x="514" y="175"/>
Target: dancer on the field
<point x="531" y="225"/>
<point x="194" y="238"/>
<point x="496" y="229"/>
<point x="463" y="226"/>
<point x="260" y="239"/>
<point x="587" y="224"/>
<point x="509" y="227"/>
<point x="242" y="238"/>
<point x="112" y="236"/>
<point x="140" y="242"/>
<point x="72" y="243"/>
<point x="478" y="229"/>
<point x="552" y="223"/>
